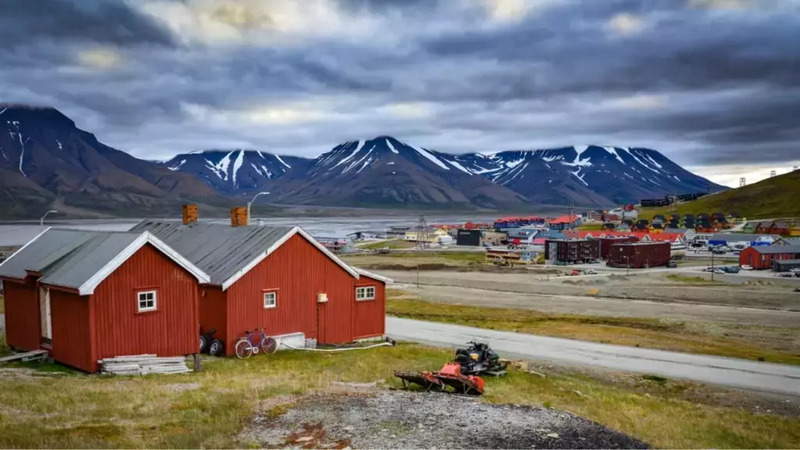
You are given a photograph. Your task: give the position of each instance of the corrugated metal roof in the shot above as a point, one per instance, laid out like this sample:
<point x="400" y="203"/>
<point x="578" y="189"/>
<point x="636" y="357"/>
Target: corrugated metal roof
<point x="741" y="237"/>
<point x="773" y="249"/>
<point x="67" y="258"/>
<point x="218" y="250"/>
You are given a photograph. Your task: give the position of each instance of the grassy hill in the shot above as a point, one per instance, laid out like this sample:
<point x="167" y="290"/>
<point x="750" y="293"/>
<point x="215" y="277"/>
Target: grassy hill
<point x="774" y="197"/>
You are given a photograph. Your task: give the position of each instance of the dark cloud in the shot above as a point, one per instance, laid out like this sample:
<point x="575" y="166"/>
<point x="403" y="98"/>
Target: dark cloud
<point x="706" y="85"/>
<point x="24" y="22"/>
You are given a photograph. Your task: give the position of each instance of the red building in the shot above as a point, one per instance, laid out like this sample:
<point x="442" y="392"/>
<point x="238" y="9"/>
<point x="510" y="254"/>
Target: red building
<point x="88" y="295"/>
<point x="277" y="278"/>
<point x="639" y="255"/>
<point x="761" y="257"/>
<point x="607" y="242"/>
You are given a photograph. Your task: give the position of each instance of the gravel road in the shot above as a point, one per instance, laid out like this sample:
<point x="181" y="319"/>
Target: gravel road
<point x="751" y="375"/>
<point x="609" y="307"/>
<point x="399" y="419"/>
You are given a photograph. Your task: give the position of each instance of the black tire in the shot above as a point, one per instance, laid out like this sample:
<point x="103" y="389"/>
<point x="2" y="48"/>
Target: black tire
<point x="203" y="343"/>
<point x="269" y="346"/>
<point x="216" y="348"/>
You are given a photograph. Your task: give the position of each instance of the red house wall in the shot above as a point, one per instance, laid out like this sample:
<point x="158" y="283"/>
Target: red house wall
<point x="298" y="271"/>
<point x="72" y="332"/>
<point x="23" y="329"/>
<point x="369" y="317"/>
<point x="171" y="330"/>
<point x="751" y="257"/>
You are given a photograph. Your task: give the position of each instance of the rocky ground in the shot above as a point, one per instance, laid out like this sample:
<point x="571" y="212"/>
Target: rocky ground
<point x="401" y="419"/>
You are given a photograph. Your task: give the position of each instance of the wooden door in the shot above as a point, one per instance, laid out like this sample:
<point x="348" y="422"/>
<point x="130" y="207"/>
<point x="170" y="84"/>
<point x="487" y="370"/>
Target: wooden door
<point x="45" y="315"/>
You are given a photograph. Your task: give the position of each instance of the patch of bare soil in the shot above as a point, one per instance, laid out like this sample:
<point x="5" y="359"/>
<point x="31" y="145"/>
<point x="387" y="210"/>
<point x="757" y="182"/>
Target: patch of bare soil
<point x="400" y="419"/>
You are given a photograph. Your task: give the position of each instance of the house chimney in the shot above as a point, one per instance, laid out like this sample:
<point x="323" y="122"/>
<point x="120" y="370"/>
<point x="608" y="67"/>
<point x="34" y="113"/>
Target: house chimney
<point x="238" y="216"/>
<point x="189" y="214"/>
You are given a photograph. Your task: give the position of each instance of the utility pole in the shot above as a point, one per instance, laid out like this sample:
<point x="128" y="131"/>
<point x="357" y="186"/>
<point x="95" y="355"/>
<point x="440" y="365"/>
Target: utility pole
<point x="41" y="220"/>
<point x="712" y="265"/>
<point x="422" y="233"/>
<point x="251" y="202"/>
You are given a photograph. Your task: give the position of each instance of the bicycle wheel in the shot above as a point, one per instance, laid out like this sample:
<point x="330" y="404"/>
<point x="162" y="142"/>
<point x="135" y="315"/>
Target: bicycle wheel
<point x="243" y="349"/>
<point x="269" y="345"/>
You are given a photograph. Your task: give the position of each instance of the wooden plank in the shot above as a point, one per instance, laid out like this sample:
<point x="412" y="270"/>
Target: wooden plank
<point x="22" y="356"/>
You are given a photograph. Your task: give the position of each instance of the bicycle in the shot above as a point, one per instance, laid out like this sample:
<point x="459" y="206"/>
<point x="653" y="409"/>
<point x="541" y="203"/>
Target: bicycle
<point x="246" y="347"/>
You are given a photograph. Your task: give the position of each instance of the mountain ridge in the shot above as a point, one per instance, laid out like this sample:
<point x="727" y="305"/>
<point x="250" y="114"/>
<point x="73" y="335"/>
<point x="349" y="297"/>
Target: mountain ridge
<point x="45" y="158"/>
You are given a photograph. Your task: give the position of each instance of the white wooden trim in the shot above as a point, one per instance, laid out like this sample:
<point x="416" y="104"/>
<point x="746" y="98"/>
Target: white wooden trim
<point x="365" y="288"/>
<point x="375" y="276"/>
<point x="264" y="299"/>
<point x="139" y="300"/>
<point x="296" y="230"/>
<point x="89" y="286"/>
<point x="23" y="247"/>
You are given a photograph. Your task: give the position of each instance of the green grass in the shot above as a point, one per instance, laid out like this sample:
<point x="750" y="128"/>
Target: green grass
<point x="636" y="332"/>
<point x="415" y="258"/>
<point x="210" y="408"/>
<point x="692" y="280"/>
<point x="2" y="305"/>
<point x="590" y="226"/>
<point x="770" y="198"/>
<point x="394" y="244"/>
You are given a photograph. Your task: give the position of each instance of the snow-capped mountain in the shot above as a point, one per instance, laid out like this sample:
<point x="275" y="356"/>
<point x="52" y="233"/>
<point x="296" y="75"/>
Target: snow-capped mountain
<point x="236" y="171"/>
<point x="387" y="172"/>
<point x="47" y="162"/>
<point x="586" y="174"/>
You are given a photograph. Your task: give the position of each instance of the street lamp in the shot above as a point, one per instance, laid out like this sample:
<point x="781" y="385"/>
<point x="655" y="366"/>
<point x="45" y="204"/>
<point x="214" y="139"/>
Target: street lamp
<point x="251" y="202"/>
<point x="41" y="220"/>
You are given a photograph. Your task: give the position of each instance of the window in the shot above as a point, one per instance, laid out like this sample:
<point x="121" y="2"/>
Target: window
<point x="270" y="300"/>
<point x="365" y="293"/>
<point x="147" y="301"/>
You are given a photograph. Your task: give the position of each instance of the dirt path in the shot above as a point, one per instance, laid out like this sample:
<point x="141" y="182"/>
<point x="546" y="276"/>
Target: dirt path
<point x="399" y="419"/>
<point x="652" y="289"/>
<point x="590" y="306"/>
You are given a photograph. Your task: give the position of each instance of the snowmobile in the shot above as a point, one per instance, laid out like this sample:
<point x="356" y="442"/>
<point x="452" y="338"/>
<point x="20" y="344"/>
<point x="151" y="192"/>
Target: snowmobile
<point x="479" y="359"/>
<point x="460" y="375"/>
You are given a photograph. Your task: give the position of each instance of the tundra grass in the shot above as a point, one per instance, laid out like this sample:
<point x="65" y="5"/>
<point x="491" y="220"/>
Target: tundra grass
<point x="211" y="408"/>
<point x="411" y="259"/>
<point x="391" y="244"/>
<point x="693" y="280"/>
<point x="637" y="332"/>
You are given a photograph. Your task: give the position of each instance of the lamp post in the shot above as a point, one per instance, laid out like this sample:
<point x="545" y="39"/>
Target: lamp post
<point x="41" y="220"/>
<point x="250" y="203"/>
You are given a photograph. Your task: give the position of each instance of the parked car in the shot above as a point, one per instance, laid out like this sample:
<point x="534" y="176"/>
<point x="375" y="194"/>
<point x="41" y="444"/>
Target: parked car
<point x="590" y="272"/>
<point x="671" y="264"/>
<point x="746" y="267"/>
<point x="785" y="275"/>
<point x="720" y="271"/>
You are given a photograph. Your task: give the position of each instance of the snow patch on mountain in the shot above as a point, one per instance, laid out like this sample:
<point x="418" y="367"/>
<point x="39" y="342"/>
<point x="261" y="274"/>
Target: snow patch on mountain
<point x="613" y="151"/>
<point x="281" y="161"/>
<point x="429" y="156"/>
<point x="391" y="147"/>
<point x="237" y="164"/>
<point x="351" y="155"/>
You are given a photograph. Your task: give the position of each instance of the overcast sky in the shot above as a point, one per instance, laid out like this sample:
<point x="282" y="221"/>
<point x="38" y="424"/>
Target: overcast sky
<point x="713" y="84"/>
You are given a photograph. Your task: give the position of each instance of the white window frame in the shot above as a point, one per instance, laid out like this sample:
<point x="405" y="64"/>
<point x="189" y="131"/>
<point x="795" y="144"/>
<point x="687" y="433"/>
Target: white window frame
<point x="274" y="303"/>
<point x="139" y="300"/>
<point x="363" y="293"/>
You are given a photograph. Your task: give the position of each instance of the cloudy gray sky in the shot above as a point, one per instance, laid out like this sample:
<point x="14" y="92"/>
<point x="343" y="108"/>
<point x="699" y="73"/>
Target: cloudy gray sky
<point x="713" y="84"/>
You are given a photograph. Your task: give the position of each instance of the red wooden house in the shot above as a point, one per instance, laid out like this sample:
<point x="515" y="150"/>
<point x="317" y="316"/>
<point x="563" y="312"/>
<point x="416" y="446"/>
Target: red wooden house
<point x="277" y="278"/>
<point x="88" y="295"/>
<point x="761" y="257"/>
